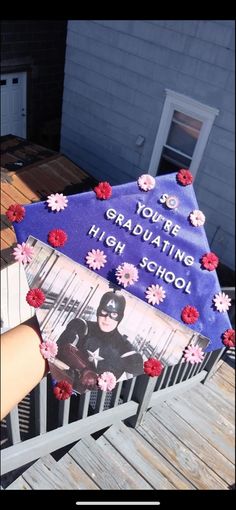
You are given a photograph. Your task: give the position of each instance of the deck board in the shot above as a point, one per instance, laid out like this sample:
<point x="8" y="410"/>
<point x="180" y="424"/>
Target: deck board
<point x="196" y="443"/>
<point x="81" y="479"/>
<point x="133" y="478"/>
<point x="204" y="426"/>
<point x="221" y="387"/>
<point x="179" y="455"/>
<point x="227" y="372"/>
<point x="104" y="470"/>
<point x="49" y="172"/>
<point x="145" y="459"/>
<point x="46" y="473"/>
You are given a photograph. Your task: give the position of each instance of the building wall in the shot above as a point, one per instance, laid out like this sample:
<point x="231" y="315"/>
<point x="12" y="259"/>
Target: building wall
<point x="116" y="73"/>
<point x="38" y="47"/>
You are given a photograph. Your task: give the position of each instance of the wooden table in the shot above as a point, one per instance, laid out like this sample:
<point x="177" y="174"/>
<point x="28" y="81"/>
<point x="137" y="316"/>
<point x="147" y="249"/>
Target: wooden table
<point x="29" y="173"/>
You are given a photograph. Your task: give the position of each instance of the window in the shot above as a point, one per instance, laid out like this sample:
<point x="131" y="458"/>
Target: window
<point x="182" y="136"/>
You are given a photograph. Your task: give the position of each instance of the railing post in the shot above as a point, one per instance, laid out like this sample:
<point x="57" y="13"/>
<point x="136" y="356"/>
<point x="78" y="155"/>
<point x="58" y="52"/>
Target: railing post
<point x="142" y="394"/>
<point x="212" y="361"/>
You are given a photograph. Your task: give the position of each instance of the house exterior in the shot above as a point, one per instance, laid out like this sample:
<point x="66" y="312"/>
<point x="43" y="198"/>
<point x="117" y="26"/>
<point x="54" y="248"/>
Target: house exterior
<point x="152" y="97"/>
<point x="32" y="71"/>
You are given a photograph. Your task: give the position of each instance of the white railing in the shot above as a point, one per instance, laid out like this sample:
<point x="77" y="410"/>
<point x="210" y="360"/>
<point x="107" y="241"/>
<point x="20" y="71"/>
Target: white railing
<point x="58" y="424"/>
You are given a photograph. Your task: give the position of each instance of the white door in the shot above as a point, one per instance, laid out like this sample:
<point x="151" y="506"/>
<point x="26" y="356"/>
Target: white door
<point x="13" y="104"/>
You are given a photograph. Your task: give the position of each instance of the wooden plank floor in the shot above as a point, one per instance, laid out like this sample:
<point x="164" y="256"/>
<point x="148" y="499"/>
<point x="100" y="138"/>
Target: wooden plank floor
<point x="43" y="172"/>
<point x="184" y="443"/>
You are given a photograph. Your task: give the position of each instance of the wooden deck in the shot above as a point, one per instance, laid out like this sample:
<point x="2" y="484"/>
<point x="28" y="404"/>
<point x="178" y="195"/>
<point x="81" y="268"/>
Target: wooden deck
<point x="42" y="172"/>
<point x="186" y="442"/>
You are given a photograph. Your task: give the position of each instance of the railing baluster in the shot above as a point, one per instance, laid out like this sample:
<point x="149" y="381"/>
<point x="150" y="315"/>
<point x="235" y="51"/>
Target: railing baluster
<point x="160" y="380"/>
<point x="64" y="410"/>
<point x="171" y="370"/>
<point x="13" y="428"/>
<point x="40" y="396"/>
<point x="116" y="394"/>
<point x="83" y="407"/>
<point x="127" y="389"/>
<point x="177" y="373"/>
<point x="101" y="396"/>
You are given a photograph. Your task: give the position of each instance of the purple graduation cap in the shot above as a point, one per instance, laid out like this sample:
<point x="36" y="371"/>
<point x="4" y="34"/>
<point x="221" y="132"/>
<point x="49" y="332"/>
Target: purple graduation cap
<point x="143" y="240"/>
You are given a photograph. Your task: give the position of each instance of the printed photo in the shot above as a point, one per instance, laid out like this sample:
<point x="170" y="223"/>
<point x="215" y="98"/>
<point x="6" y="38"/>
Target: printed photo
<point x="98" y="326"/>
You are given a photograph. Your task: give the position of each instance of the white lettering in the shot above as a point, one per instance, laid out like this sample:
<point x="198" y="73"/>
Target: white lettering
<point x="119" y="247"/>
<point x="119" y="219"/>
<point x="137" y="230"/>
<point x="188" y="260"/>
<point x="175" y="230"/>
<point x="110" y="214"/>
<point x="143" y="262"/>
<point x="156" y="241"/>
<point x="167" y="225"/>
<point x="93" y="230"/>
<point x="169" y="277"/>
<point x="163" y="198"/>
<point x="127" y="224"/>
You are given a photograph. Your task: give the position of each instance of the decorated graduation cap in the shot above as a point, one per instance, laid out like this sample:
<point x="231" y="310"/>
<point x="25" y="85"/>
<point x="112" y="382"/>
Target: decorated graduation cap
<point x="146" y="237"/>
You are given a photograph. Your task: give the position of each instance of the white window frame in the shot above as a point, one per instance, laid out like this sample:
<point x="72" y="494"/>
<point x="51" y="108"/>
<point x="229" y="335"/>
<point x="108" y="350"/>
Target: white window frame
<point x="188" y="106"/>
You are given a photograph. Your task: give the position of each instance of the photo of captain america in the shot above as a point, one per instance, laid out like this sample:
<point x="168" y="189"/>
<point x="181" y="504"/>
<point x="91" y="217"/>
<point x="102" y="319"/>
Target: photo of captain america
<point x="90" y="348"/>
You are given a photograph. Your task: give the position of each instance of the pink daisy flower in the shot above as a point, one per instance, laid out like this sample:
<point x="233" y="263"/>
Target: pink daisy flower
<point x="209" y="261"/>
<point x="193" y="354"/>
<point x="23" y="253"/>
<point x="155" y="294"/>
<point x="106" y="381"/>
<point x="35" y="297"/>
<point x="96" y="259"/>
<point x="57" y="202"/>
<point x="48" y="349"/>
<point x="126" y="274"/>
<point x="197" y="218"/>
<point x="222" y="302"/>
<point x="146" y="182"/>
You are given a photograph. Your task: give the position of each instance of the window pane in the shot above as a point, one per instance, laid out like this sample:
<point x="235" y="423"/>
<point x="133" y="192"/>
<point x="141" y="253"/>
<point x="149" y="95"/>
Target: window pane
<point x="172" y="162"/>
<point x="184" y="132"/>
<point x="189" y="121"/>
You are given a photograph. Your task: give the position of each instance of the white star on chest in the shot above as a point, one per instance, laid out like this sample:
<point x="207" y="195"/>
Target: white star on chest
<point x="94" y="357"/>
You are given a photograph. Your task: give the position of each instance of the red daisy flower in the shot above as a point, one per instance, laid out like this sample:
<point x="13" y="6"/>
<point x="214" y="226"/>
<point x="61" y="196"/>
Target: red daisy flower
<point x="153" y="367"/>
<point x="35" y="297"/>
<point x="62" y="390"/>
<point x="209" y="261"/>
<point x="189" y="314"/>
<point x="57" y="237"/>
<point x="103" y="190"/>
<point x="15" y="212"/>
<point x="229" y="338"/>
<point x="184" y="177"/>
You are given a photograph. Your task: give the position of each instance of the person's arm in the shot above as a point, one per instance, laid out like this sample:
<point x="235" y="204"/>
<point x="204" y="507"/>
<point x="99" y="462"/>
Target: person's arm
<point x="22" y="365"/>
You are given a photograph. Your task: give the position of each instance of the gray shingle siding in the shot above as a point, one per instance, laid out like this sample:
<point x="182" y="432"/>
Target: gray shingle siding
<point x="116" y="74"/>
